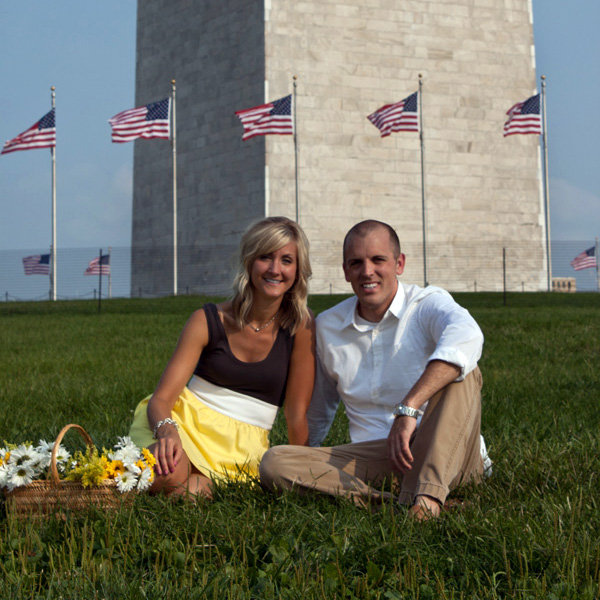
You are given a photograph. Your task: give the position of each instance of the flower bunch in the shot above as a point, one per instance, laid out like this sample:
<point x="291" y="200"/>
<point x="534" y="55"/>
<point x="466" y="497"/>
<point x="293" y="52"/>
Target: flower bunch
<point x="21" y="464"/>
<point x="129" y="466"/>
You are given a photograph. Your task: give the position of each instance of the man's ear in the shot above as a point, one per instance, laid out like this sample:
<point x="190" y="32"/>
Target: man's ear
<point x="345" y="271"/>
<point x="400" y="264"/>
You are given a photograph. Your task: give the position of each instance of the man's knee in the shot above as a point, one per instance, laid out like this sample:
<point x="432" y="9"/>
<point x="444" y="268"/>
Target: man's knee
<point x="272" y="469"/>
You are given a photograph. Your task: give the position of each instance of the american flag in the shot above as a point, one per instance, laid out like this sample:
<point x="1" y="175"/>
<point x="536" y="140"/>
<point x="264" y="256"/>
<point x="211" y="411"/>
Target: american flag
<point x="37" y="264"/>
<point x="402" y="116"/>
<point x="585" y="259"/>
<point x="150" y="121"/>
<point x="524" y="117"/>
<point x="274" y="117"/>
<point x="40" y="135"/>
<point x="99" y="266"/>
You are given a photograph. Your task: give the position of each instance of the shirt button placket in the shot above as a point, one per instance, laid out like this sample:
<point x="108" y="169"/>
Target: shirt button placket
<point x="377" y="363"/>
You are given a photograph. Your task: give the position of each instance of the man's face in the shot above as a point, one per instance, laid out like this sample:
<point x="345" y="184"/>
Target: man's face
<point x="371" y="268"/>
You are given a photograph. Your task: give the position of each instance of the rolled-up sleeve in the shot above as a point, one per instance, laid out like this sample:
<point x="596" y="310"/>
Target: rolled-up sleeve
<point x="323" y="406"/>
<point x="457" y="337"/>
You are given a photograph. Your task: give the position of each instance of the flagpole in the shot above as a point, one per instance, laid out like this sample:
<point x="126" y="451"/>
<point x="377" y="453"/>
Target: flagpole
<point x="53" y="210"/>
<point x="296" y="155"/>
<point x="597" y="268"/>
<point x="174" y="144"/>
<point x="99" y="279"/>
<point x="424" y="216"/>
<point x="546" y="187"/>
<point x="109" y="274"/>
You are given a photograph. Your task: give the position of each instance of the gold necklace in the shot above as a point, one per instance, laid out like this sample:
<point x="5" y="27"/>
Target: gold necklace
<point x="261" y="327"/>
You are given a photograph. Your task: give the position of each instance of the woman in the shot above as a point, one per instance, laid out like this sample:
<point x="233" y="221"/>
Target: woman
<point x="241" y="360"/>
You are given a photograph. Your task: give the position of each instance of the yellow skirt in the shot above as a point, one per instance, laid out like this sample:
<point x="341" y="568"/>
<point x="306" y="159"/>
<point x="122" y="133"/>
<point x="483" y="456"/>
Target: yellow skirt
<point x="218" y="446"/>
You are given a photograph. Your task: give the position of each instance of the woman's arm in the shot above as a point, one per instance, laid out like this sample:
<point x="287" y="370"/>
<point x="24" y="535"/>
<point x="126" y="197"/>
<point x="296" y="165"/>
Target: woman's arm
<point x="193" y="339"/>
<point x="301" y="378"/>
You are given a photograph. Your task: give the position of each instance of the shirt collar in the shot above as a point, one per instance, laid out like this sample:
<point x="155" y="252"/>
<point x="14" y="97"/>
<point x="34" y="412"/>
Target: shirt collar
<point x="394" y="309"/>
<point x="397" y="304"/>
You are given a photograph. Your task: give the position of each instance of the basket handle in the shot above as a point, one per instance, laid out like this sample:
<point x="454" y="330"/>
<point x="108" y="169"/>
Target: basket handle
<point x="61" y="434"/>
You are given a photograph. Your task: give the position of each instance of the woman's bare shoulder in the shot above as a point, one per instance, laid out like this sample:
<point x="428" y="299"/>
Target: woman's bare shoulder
<point x="309" y="321"/>
<point x="197" y="321"/>
<point x="306" y="331"/>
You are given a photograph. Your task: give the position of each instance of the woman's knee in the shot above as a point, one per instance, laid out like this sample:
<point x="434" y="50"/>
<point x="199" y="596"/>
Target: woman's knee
<point x="175" y="480"/>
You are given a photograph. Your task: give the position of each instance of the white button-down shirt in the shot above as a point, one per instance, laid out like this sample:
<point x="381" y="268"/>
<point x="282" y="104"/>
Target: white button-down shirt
<point x="372" y="366"/>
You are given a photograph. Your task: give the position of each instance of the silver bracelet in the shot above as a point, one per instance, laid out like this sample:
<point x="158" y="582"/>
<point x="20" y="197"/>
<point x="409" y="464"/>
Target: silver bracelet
<point x="167" y="421"/>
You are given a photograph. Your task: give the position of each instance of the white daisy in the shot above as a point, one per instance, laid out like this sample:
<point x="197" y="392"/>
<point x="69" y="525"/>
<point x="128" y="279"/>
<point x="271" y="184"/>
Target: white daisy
<point x="127" y="455"/>
<point x="62" y="458"/>
<point x="20" y="475"/>
<point x="124" y="442"/>
<point x="132" y="468"/>
<point x="5" y="470"/>
<point x="145" y="480"/>
<point x="62" y="455"/>
<point x="44" y="446"/>
<point x="24" y="454"/>
<point x="39" y="465"/>
<point x="126" y="481"/>
<point x="44" y="450"/>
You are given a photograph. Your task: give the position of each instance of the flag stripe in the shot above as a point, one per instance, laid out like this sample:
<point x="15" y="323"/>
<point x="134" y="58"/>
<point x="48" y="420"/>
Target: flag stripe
<point x="150" y="121"/>
<point x="266" y="119"/>
<point x="96" y="267"/>
<point x="37" y="264"/>
<point x="524" y="117"/>
<point x="40" y="135"/>
<point x="585" y="259"/>
<point x="401" y="116"/>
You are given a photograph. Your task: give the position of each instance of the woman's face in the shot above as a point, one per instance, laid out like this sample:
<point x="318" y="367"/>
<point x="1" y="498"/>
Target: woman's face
<point x="273" y="274"/>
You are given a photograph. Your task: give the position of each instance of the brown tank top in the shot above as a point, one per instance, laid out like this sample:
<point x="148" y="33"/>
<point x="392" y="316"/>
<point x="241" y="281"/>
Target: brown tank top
<point x="265" y="379"/>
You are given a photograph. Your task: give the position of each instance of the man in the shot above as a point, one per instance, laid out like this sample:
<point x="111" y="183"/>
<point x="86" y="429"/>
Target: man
<point x="403" y="359"/>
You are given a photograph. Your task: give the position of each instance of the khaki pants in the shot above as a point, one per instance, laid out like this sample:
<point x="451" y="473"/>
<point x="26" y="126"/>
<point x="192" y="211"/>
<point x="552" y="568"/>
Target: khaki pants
<point x="445" y="448"/>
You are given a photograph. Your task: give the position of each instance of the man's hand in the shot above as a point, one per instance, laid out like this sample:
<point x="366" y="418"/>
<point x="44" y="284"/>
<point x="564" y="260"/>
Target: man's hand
<point x="437" y="375"/>
<point x="398" y="443"/>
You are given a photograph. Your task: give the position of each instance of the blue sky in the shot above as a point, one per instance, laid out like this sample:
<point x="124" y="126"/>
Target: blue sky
<point x="87" y="50"/>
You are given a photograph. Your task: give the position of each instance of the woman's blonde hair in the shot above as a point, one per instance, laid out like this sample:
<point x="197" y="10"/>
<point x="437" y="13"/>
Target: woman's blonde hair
<point x="265" y="237"/>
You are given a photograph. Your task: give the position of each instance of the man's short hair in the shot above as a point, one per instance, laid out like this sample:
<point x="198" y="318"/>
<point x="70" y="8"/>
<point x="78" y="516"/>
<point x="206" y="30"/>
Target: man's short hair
<point x="365" y="227"/>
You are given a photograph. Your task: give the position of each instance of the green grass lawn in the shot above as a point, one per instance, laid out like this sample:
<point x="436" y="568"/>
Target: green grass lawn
<point x="531" y="531"/>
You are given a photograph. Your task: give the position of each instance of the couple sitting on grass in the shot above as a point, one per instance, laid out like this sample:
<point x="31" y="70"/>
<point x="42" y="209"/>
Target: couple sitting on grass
<point x="403" y="359"/>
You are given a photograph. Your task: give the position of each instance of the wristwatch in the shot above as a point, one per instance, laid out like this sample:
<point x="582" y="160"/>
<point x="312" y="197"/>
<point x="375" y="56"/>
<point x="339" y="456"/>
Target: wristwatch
<point x="402" y="410"/>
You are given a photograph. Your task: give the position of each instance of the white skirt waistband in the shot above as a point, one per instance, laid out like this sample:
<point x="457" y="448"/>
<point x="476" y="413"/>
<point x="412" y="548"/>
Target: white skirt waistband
<point x="233" y="404"/>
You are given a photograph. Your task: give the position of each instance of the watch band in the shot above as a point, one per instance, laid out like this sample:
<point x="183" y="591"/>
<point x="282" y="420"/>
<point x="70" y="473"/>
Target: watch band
<point x="402" y="410"/>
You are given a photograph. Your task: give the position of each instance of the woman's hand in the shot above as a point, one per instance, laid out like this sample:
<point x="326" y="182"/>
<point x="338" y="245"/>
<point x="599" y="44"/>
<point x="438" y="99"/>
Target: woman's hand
<point x="168" y="449"/>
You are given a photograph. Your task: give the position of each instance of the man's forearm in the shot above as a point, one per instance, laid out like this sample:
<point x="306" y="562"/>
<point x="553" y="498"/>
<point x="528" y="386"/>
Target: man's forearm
<point x="436" y="376"/>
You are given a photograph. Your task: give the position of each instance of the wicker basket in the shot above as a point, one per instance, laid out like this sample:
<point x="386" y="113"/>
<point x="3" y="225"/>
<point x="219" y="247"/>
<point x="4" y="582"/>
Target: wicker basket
<point x="53" y="496"/>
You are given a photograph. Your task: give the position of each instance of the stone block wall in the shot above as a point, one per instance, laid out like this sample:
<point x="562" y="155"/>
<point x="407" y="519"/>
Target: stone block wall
<point x="483" y="191"/>
<point x="214" y="49"/>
